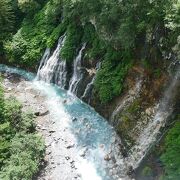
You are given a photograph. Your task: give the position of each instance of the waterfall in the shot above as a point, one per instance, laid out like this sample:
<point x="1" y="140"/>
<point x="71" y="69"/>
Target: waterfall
<point x="89" y="87"/>
<point x="149" y="134"/>
<point x="44" y="60"/>
<point x="61" y="74"/>
<point x="77" y="75"/>
<point x="52" y="69"/>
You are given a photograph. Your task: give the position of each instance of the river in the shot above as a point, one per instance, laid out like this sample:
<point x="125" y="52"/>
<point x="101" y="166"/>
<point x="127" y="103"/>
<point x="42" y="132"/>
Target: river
<point x="80" y="143"/>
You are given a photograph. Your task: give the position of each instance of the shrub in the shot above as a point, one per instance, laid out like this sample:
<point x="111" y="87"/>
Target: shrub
<point x="21" y="148"/>
<point x="110" y="78"/>
<point x="72" y="42"/>
<point x="57" y="32"/>
<point x="170" y="157"/>
<point x="28" y="44"/>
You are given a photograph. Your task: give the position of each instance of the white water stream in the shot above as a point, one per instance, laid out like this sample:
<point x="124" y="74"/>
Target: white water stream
<point x="53" y="69"/>
<point x="77" y="75"/>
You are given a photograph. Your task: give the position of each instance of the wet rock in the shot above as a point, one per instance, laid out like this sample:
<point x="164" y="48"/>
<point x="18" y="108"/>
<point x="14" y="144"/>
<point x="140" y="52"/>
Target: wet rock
<point x="149" y="111"/>
<point x="70" y="146"/>
<point x="101" y="146"/>
<point x="107" y="157"/>
<point x="48" y="152"/>
<point x="130" y="171"/>
<point x="72" y="161"/>
<point x="85" y="119"/>
<point x="44" y="113"/>
<point x="48" y="145"/>
<point x="65" y="101"/>
<point x="88" y="126"/>
<point x="83" y="152"/>
<point x="52" y="131"/>
<point x="132" y="92"/>
<point x="9" y="89"/>
<point x="43" y="128"/>
<point x="113" y="159"/>
<point x="54" y="166"/>
<point x="67" y="158"/>
<point x="74" y="119"/>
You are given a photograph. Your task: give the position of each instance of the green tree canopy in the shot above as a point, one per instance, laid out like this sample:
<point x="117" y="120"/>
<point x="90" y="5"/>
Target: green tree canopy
<point x="28" y="6"/>
<point x="6" y="18"/>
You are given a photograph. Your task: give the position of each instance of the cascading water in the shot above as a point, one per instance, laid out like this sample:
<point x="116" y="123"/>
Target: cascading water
<point x="77" y="74"/>
<point x="44" y="60"/>
<point x="61" y="74"/>
<point x="87" y="93"/>
<point x="149" y="134"/>
<point x="53" y="69"/>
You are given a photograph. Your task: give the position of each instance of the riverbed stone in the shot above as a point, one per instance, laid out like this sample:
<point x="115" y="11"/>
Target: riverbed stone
<point x="67" y="158"/>
<point x="74" y="119"/>
<point x="41" y="113"/>
<point x="70" y="146"/>
<point x="107" y="157"/>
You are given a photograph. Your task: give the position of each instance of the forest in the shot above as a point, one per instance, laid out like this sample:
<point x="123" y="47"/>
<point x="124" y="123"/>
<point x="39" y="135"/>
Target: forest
<point x="120" y="34"/>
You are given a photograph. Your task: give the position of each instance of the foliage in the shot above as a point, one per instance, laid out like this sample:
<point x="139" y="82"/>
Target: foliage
<point x="110" y="77"/>
<point x="128" y="118"/>
<point x="28" y="44"/>
<point x="128" y="27"/>
<point x="170" y="157"/>
<point x="172" y="17"/>
<point x="26" y="152"/>
<point x="73" y="40"/>
<point x="21" y="148"/>
<point x="57" y="32"/>
<point x="6" y="20"/>
<point x="135" y="107"/>
<point x="28" y="6"/>
<point x="1" y="102"/>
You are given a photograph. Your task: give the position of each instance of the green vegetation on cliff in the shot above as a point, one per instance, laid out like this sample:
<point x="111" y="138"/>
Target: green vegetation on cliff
<point x="116" y="32"/>
<point x="163" y="162"/>
<point x="21" y="148"/>
<point x="170" y="157"/>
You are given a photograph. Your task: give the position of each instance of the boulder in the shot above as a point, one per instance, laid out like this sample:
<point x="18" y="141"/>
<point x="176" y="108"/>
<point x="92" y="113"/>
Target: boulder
<point x="65" y="101"/>
<point x="149" y="111"/>
<point x="52" y="131"/>
<point x="67" y="158"/>
<point x="107" y="157"/>
<point x="101" y="146"/>
<point x="70" y="146"/>
<point x="83" y="152"/>
<point x="44" y="113"/>
<point x="74" y="119"/>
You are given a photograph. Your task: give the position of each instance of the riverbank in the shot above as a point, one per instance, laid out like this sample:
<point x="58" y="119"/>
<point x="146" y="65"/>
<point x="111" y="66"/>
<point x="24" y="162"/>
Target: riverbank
<point x="79" y="143"/>
<point x="59" y="158"/>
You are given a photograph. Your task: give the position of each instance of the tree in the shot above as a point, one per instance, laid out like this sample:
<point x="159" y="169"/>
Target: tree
<point x="28" y="6"/>
<point x="171" y="158"/>
<point x="6" y="18"/>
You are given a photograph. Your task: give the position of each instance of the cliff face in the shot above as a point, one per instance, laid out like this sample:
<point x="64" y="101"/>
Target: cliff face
<point x="135" y="109"/>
